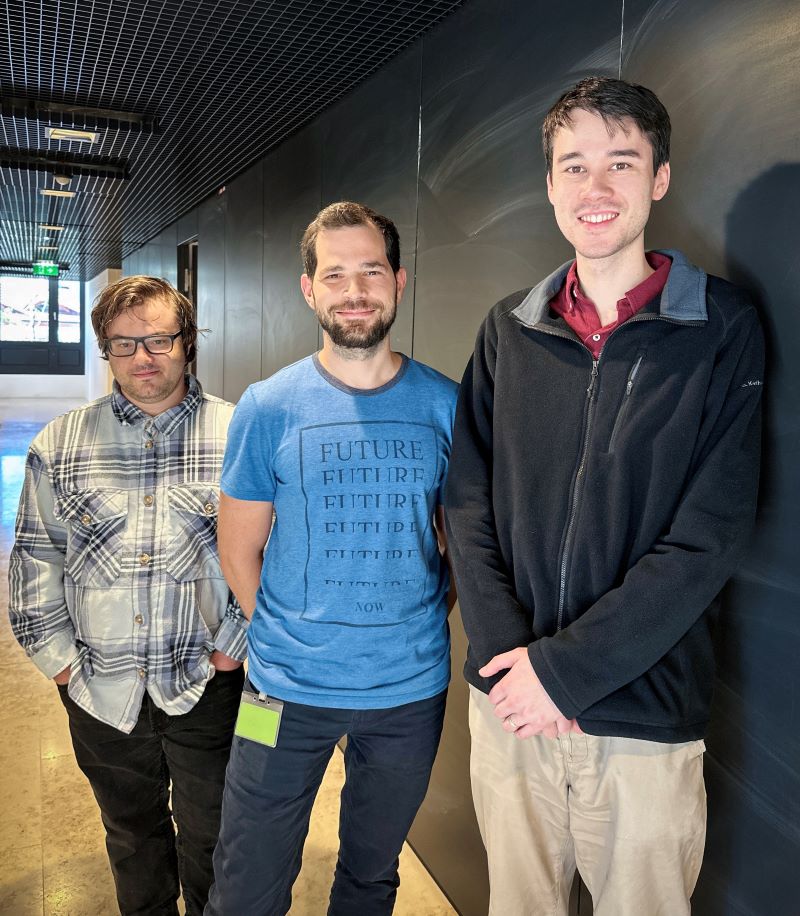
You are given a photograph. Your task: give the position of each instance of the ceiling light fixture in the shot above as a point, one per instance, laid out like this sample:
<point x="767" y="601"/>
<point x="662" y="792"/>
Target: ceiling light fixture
<point x="50" y="228"/>
<point x="71" y="133"/>
<point x="52" y="192"/>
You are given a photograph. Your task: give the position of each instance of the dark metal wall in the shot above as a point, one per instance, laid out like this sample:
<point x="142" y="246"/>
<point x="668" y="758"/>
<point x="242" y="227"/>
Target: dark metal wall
<point x="445" y="140"/>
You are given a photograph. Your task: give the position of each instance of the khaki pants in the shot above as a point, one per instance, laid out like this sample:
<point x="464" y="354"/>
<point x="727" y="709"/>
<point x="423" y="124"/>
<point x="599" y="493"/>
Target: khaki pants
<point x="631" y="814"/>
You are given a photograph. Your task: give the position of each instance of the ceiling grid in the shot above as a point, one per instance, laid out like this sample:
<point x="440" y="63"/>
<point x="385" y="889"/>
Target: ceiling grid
<point x="184" y="94"/>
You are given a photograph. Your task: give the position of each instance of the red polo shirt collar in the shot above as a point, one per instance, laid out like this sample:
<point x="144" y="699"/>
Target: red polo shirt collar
<point x="580" y="312"/>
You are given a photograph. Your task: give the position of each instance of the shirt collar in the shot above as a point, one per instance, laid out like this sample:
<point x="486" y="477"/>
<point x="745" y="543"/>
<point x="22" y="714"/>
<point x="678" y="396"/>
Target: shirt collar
<point x="128" y="414"/>
<point x="634" y="299"/>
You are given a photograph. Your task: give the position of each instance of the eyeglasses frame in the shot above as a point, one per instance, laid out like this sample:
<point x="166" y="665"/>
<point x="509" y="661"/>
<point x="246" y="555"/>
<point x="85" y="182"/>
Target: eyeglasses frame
<point x="140" y="340"/>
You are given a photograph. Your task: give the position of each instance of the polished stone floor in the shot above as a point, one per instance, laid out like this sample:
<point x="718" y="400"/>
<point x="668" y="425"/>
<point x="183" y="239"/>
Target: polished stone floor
<point x="52" y="855"/>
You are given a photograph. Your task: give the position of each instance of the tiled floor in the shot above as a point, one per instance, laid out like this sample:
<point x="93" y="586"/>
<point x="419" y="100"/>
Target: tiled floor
<point x="52" y="855"/>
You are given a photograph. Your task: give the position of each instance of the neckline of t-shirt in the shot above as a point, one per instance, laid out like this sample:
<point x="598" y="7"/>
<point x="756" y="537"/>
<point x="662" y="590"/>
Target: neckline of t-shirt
<point x="361" y="392"/>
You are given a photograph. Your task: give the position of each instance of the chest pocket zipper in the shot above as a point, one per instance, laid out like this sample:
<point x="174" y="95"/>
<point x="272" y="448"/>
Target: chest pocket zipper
<point x="623" y="410"/>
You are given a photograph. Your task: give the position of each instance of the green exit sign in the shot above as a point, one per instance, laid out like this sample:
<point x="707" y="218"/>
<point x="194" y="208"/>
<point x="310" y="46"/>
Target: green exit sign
<point x="45" y="269"/>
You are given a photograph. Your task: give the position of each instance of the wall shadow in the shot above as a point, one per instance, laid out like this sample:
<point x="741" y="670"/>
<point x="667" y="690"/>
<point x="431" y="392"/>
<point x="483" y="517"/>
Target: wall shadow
<point x="753" y="761"/>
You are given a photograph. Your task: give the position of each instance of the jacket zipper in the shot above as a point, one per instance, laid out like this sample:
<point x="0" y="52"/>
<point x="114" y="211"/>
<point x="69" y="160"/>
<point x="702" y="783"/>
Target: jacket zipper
<point x="590" y="391"/>
<point x="576" y="490"/>
<point x="625" y="403"/>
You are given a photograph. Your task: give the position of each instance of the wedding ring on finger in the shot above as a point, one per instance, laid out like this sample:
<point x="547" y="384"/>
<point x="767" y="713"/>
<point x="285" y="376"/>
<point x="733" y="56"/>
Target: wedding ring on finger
<point x="511" y="722"/>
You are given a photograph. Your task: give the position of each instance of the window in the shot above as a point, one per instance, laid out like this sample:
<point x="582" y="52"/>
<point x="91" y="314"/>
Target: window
<point x="41" y="326"/>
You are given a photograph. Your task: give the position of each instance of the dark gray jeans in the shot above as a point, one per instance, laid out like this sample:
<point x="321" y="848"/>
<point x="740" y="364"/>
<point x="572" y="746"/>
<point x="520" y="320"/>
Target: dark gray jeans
<point x="130" y="776"/>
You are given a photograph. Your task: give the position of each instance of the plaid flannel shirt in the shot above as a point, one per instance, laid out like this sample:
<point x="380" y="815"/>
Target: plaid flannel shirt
<point x="114" y="571"/>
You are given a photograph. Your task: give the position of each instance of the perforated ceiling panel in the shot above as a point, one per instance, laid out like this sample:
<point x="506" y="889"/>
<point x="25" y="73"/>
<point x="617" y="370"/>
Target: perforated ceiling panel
<point x="183" y="95"/>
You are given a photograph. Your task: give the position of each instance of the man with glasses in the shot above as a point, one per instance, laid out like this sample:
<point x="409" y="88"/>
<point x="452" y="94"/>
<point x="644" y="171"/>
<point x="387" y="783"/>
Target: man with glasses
<point x="116" y="593"/>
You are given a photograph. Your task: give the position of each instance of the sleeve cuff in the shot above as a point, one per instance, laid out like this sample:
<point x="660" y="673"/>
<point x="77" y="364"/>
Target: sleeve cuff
<point x="555" y="689"/>
<point x="231" y="637"/>
<point x="58" y="653"/>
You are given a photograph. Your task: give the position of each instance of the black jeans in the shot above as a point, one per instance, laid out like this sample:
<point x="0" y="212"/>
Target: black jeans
<point x="269" y="794"/>
<point x="130" y="776"/>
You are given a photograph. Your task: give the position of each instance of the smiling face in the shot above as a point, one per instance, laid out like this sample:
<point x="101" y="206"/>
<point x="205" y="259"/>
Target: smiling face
<point x="602" y="185"/>
<point x="153" y="382"/>
<point x="354" y="290"/>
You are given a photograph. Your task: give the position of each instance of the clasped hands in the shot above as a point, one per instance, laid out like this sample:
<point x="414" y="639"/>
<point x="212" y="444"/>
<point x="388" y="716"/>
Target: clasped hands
<point x="520" y="700"/>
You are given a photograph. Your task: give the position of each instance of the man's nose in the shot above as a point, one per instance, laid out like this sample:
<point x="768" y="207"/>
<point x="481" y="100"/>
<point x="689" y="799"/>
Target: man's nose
<point x="596" y="187"/>
<point x="356" y="288"/>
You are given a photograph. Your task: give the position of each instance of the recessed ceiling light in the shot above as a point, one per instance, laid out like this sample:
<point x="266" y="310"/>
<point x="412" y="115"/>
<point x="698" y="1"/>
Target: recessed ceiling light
<point x="71" y="133"/>
<point x="48" y="247"/>
<point x="50" y="228"/>
<point x="52" y="192"/>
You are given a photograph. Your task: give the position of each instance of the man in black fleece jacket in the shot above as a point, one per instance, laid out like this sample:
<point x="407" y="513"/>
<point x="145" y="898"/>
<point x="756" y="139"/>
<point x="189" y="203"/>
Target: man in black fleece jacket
<point x="602" y="487"/>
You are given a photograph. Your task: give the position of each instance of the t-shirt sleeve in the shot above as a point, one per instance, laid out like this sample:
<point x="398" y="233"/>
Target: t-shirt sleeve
<point x="448" y="416"/>
<point x="247" y="470"/>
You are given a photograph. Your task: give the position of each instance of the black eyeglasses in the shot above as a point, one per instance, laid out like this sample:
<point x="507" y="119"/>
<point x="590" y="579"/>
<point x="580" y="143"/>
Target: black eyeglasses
<point x="153" y="343"/>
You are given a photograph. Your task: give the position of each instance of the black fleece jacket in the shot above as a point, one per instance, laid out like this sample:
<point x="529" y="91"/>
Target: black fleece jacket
<point x="596" y="508"/>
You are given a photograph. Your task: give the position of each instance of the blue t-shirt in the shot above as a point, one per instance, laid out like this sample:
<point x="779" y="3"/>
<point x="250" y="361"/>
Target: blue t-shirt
<point x="351" y="611"/>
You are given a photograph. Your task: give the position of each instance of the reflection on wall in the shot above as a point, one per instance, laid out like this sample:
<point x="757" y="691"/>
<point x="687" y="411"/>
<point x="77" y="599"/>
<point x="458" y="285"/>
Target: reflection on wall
<point x="445" y="140"/>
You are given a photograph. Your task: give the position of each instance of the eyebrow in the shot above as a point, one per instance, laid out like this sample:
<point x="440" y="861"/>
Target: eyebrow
<point x="611" y="154"/>
<point x="361" y="266"/>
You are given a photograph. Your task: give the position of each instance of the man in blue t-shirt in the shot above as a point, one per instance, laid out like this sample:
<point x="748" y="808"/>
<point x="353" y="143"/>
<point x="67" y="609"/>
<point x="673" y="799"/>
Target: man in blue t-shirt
<point x="331" y="537"/>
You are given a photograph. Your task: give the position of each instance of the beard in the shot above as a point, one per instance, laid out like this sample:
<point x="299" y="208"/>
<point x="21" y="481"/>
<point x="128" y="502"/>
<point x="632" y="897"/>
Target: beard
<point x="355" y="334"/>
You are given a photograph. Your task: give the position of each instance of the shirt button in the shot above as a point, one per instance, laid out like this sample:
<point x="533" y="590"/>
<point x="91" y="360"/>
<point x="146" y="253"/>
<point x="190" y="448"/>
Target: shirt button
<point x="148" y="443"/>
<point x="148" y="500"/>
<point x="144" y="558"/>
<point x="86" y="519"/>
<point x="209" y="508"/>
<point x="141" y="673"/>
<point x="595" y="337"/>
<point x="138" y="619"/>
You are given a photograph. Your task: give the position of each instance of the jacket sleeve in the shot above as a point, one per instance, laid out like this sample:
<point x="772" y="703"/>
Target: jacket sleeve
<point x="37" y="606"/>
<point x="493" y="619"/>
<point x="662" y="595"/>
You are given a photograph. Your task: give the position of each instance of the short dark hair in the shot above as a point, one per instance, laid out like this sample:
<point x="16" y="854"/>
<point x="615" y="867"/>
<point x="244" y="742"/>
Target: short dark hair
<point x="132" y="291"/>
<point x="346" y="213"/>
<point x="614" y="100"/>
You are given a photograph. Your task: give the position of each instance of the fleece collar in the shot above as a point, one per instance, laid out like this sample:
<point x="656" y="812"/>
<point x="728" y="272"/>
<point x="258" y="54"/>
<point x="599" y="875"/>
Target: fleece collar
<point x="683" y="298"/>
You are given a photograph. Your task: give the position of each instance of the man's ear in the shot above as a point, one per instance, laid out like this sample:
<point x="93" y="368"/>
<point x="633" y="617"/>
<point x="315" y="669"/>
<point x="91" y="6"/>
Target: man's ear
<point x="307" y="287"/>
<point x="400" y="278"/>
<point x="549" y="181"/>
<point x="661" y="182"/>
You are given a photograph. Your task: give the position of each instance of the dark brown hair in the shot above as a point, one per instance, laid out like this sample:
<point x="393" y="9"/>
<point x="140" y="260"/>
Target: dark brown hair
<point x="346" y="213"/>
<point x="132" y="291"/>
<point x="614" y="100"/>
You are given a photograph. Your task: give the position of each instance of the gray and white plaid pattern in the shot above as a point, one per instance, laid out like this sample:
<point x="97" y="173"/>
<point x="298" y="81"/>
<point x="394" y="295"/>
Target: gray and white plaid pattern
<point x="114" y="570"/>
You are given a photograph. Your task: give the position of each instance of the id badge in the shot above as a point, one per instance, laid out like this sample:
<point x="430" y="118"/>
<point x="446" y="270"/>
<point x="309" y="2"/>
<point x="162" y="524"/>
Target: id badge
<point x="259" y="718"/>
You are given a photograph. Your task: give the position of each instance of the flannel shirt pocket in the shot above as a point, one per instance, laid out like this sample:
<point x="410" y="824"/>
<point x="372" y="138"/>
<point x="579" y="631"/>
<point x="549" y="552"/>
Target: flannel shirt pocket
<point x="192" y="551"/>
<point x="96" y="522"/>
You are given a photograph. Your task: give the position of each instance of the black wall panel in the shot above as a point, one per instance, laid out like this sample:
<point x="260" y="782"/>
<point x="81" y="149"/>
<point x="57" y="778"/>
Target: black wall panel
<point x="485" y="225"/>
<point x="244" y="260"/>
<point x="729" y="74"/>
<point x="186" y="227"/>
<point x="370" y="146"/>
<point x="168" y="241"/>
<point x="291" y="199"/>
<point x="211" y="293"/>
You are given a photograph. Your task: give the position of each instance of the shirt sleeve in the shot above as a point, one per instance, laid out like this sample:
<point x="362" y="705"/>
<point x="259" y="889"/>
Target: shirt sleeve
<point x="231" y="635"/>
<point x="38" y="610"/>
<point x="247" y="469"/>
